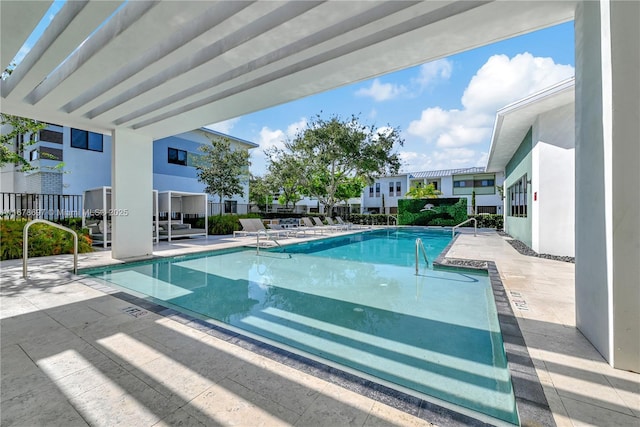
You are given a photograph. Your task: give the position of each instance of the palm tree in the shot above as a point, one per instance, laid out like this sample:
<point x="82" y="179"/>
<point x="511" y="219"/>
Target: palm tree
<point x="426" y="192"/>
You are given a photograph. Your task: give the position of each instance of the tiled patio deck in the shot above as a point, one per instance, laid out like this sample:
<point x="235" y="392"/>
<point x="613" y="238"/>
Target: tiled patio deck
<point x="74" y="355"/>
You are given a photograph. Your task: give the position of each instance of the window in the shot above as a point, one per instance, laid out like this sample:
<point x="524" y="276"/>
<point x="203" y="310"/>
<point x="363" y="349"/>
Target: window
<point x="391" y="188"/>
<point x="371" y="191"/>
<point x="177" y="157"/>
<point x="484" y="183"/>
<point x="398" y="188"/>
<point x="517" y="194"/>
<point x="230" y="206"/>
<point x="459" y="184"/>
<point x="34" y="155"/>
<point x="86" y="140"/>
<point x="377" y="189"/>
<point x="51" y="136"/>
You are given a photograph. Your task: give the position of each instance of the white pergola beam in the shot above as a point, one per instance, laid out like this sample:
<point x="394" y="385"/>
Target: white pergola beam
<point x="18" y="18"/>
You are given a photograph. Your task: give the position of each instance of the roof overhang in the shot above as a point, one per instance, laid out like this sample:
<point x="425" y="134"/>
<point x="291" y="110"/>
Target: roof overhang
<point x="167" y="67"/>
<point x="514" y="121"/>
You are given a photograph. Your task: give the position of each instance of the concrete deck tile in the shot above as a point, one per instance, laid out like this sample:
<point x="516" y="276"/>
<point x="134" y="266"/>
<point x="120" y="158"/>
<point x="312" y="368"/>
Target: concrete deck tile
<point x="229" y="403"/>
<point x="384" y="416"/>
<point x="123" y="400"/>
<point x="16" y="306"/>
<point x="37" y="405"/>
<point x="584" y="414"/>
<point x="290" y="388"/>
<point x="128" y="351"/>
<point x="336" y="406"/>
<point x="181" y="418"/>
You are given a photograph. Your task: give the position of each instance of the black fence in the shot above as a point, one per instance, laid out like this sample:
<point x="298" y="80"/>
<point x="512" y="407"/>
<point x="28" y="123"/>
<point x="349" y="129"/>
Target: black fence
<point x="52" y="207"/>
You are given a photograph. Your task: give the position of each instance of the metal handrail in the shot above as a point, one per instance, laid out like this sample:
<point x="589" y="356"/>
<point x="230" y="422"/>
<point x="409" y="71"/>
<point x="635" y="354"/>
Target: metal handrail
<point x="395" y="217"/>
<point x="419" y="246"/>
<point x="268" y="237"/>
<point x="25" y="244"/>
<point x="475" y="227"/>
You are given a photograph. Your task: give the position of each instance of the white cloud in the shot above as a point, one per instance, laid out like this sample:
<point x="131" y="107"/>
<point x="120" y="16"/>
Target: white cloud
<point x="382" y="91"/>
<point x="225" y="126"/>
<point x="433" y="72"/>
<point x="294" y="128"/>
<point x="500" y="81"/>
<point x="270" y="138"/>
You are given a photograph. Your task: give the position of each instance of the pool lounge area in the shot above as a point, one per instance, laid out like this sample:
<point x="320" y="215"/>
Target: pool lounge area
<point x="87" y="354"/>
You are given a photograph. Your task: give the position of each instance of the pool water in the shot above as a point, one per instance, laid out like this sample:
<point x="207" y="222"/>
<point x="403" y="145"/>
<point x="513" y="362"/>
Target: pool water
<point x="356" y="301"/>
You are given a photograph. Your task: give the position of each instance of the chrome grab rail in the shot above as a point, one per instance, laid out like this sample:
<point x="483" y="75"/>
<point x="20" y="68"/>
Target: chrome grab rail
<point x="419" y="246"/>
<point x="25" y="244"/>
<point x="395" y="218"/>
<point x="268" y="236"/>
<point x="475" y="227"/>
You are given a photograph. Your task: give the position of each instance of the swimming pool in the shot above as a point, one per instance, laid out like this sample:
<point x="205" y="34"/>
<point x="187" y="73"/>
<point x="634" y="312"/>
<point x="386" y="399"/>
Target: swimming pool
<point x="355" y="301"/>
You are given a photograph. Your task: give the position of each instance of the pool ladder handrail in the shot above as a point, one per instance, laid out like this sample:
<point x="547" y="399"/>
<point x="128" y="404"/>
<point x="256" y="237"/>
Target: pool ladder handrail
<point x="420" y="246"/>
<point x="25" y="243"/>
<point x="268" y="237"/>
<point x="475" y="227"/>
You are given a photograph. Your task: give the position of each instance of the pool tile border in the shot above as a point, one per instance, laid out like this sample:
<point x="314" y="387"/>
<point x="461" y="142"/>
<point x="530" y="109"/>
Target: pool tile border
<point x="531" y="402"/>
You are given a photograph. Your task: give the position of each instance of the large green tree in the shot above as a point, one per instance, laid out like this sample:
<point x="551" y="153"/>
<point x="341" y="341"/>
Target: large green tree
<point x="260" y="192"/>
<point x="222" y="169"/>
<point x="284" y="176"/>
<point x="339" y="156"/>
<point x="12" y="143"/>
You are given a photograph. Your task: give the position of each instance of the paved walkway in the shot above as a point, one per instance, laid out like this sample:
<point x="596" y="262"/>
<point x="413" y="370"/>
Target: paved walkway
<point x="75" y="355"/>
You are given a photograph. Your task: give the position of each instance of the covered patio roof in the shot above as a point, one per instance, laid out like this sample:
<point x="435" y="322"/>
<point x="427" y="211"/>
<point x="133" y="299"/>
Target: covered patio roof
<point x="162" y="68"/>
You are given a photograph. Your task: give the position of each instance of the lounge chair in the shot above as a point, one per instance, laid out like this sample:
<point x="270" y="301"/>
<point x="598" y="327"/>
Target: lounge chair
<point x="350" y="225"/>
<point x="318" y="222"/>
<point x="308" y="225"/>
<point x="254" y="226"/>
<point x="342" y="227"/>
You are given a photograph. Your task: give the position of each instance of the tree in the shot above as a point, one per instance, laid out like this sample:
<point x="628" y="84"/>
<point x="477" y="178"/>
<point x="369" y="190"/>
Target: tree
<point x="338" y="155"/>
<point x="222" y="169"/>
<point x="426" y="192"/>
<point x="11" y="141"/>
<point x="285" y="176"/>
<point x="260" y="192"/>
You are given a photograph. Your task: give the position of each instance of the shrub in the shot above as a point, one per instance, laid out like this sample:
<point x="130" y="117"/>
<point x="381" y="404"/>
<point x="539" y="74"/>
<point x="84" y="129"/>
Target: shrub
<point x="445" y="212"/>
<point x="44" y="240"/>
<point x="372" y="219"/>
<point x="487" y="221"/>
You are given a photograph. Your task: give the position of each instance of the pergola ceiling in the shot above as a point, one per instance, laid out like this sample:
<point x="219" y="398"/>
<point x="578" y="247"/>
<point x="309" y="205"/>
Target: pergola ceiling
<point x="162" y="68"/>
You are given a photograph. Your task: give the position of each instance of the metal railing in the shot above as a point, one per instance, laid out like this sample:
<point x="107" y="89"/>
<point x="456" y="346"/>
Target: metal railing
<point x="53" y="207"/>
<point x="475" y="227"/>
<point x="268" y="236"/>
<point x="25" y="243"/>
<point x="419" y="247"/>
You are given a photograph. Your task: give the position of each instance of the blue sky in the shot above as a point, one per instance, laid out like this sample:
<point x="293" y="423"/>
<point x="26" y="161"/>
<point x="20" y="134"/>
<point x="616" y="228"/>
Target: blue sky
<point x="445" y="109"/>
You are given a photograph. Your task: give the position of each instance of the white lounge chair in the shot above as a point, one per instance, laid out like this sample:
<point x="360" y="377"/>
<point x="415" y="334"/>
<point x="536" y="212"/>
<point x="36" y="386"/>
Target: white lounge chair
<point x="308" y="225"/>
<point x="254" y="226"/>
<point x="318" y="222"/>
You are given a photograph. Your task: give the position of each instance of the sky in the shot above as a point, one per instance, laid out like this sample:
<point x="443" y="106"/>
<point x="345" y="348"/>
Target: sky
<point x="445" y="109"/>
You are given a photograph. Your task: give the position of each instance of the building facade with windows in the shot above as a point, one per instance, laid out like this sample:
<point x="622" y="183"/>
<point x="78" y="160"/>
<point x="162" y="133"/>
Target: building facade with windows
<point x="533" y="143"/>
<point x="68" y="161"/>
<point x="480" y="188"/>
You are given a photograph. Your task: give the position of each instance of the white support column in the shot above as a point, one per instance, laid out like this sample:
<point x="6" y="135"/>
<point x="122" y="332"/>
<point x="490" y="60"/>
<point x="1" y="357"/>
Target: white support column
<point x="131" y="182"/>
<point x="608" y="179"/>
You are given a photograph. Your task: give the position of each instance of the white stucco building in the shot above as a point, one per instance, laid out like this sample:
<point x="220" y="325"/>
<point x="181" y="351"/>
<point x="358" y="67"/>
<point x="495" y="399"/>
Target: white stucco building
<point x="533" y="144"/>
<point x="383" y="194"/>
<point x="77" y="160"/>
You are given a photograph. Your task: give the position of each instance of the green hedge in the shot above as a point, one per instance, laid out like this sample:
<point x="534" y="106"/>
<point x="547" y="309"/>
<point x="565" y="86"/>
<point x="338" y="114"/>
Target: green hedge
<point x="44" y="240"/>
<point x="446" y="212"/>
<point x="487" y="221"/>
<point x="371" y="219"/>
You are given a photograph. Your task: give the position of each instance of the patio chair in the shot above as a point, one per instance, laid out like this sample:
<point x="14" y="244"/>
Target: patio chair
<point x="318" y="222"/>
<point x="254" y="226"/>
<point x="349" y="225"/>
<point x="342" y="227"/>
<point x="308" y="225"/>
